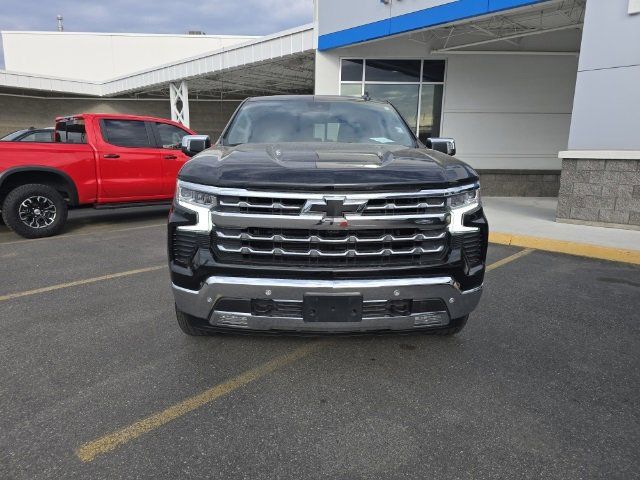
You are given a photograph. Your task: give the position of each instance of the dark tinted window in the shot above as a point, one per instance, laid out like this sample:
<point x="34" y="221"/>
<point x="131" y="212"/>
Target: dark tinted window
<point x="433" y="71"/>
<point x="71" y="132"/>
<point x="12" y="136"/>
<point x="170" y="134"/>
<point x="273" y="121"/>
<point x="126" y="133"/>
<point x="351" y="71"/>
<point x="430" y="111"/>
<point x="392" y="71"/>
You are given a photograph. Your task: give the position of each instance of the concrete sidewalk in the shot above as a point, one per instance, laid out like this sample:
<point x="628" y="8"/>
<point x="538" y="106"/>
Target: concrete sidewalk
<point x="530" y="221"/>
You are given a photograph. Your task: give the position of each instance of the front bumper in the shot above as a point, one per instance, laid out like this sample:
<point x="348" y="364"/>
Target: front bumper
<point x="202" y="303"/>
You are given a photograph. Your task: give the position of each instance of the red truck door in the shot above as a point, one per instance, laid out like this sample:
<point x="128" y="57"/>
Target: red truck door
<point x="169" y="139"/>
<point x="129" y="165"/>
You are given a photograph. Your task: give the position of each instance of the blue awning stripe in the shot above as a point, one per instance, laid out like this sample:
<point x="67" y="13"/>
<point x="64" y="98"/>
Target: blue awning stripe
<point x="450" y="12"/>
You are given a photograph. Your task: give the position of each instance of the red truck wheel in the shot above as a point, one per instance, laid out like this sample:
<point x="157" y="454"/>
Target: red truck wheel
<point x="35" y="211"/>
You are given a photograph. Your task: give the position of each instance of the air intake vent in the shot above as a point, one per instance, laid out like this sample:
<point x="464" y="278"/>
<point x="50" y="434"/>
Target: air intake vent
<point x="185" y="244"/>
<point x="472" y="248"/>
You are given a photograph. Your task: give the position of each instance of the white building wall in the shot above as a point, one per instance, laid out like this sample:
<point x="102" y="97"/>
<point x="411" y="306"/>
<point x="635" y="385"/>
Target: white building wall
<point x="606" y="113"/>
<point x="102" y="56"/>
<point x="509" y="111"/>
<point x="505" y="111"/>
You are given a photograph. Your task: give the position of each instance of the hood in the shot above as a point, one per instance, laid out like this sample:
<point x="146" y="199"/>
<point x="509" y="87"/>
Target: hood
<point x="325" y="167"/>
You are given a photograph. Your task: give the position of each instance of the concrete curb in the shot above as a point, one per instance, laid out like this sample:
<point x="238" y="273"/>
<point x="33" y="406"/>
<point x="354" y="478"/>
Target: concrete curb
<point x="570" y="248"/>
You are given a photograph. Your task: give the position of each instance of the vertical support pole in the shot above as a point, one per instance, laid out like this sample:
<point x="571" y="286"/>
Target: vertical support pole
<point x="185" y="104"/>
<point x="179" y="98"/>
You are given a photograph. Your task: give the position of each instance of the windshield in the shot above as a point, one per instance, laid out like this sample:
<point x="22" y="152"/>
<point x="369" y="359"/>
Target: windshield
<point x="285" y="121"/>
<point x="12" y="136"/>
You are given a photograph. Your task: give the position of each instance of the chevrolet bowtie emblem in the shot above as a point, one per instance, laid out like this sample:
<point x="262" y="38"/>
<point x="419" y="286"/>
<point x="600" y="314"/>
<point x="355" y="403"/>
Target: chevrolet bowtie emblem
<point x="334" y="207"/>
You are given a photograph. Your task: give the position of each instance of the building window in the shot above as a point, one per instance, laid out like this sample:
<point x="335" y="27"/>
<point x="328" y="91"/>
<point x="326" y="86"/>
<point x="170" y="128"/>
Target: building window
<point x="403" y="96"/>
<point x="430" y="111"/>
<point x="414" y="87"/>
<point x="396" y="71"/>
<point x="352" y="70"/>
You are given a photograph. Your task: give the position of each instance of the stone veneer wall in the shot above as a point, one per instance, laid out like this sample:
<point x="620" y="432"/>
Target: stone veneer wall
<point x="600" y="191"/>
<point x="520" y="183"/>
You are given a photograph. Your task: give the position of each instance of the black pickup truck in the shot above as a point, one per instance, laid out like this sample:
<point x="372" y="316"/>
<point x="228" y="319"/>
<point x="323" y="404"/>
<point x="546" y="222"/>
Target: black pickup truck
<point x="318" y="214"/>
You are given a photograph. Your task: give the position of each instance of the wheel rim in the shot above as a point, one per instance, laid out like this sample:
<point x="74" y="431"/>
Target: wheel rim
<point x="37" y="212"/>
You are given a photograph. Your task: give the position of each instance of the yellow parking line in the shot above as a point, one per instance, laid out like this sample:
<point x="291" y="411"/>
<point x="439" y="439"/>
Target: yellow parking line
<point x="510" y="258"/>
<point x="83" y="234"/>
<point x="75" y="283"/>
<point x="570" y="248"/>
<point x="91" y="450"/>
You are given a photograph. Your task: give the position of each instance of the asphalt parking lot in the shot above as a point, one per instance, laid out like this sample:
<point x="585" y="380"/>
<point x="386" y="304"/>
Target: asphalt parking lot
<point x="98" y="382"/>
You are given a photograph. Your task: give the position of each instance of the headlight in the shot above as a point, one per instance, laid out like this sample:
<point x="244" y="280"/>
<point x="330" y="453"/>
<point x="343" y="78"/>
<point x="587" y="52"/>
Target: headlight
<point x="196" y="197"/>
<point x="470" y="197"/>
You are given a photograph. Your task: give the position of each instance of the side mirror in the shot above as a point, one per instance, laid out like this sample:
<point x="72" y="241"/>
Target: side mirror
<point x="192" y="144"/>
<point x="444" y="145"/>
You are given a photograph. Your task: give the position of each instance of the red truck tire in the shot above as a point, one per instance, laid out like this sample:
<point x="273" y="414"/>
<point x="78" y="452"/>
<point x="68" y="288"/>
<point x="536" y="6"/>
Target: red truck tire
<point x="35" y="211"/>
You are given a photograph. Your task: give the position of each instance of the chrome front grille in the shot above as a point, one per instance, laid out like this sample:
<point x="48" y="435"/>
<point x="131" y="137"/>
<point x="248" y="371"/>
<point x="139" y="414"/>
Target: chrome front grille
<point x="279" y="246"/>
<point x="364" y="236"/>
<point x="260" y="205"/>
<point x="405" y="206"/>
<point x="368" y="229"/>
<point x="292" y="204"/>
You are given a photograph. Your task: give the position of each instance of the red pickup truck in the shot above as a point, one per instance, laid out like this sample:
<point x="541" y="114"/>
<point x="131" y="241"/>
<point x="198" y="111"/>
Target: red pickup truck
<point x="98" y="160"/>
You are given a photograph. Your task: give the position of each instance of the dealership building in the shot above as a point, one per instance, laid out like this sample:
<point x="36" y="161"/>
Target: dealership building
<point x="542" y="96"/>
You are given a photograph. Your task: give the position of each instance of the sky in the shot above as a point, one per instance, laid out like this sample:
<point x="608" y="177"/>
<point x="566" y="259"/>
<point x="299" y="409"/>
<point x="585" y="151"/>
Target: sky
<point x="231" y="17"/>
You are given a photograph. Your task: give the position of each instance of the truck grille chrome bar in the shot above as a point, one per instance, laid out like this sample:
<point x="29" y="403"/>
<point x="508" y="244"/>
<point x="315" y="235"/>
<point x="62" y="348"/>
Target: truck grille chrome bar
<point x="319" y="253"/>
<point x="248" y="202"/>
<point x="321" y="239"/>
<point x="248" y="205"/>
<point x="360" y="247"/>
<point x="402" y="206"/>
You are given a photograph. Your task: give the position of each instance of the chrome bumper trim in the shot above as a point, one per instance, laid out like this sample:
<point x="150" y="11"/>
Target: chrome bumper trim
<point x="199" y="303"/>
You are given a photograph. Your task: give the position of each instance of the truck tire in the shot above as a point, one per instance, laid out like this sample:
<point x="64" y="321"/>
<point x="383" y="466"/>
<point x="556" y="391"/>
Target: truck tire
<point x="455" y="326"/>
<point x="35" y="211"/>
<point x="187" y="324"/>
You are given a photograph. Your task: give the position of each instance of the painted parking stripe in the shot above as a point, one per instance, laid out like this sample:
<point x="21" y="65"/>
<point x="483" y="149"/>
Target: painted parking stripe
<point x="510" y="258"/>
<point x="76" y="283"/>
<point x="570" y="248"/>
<point x="89" y="451"/>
